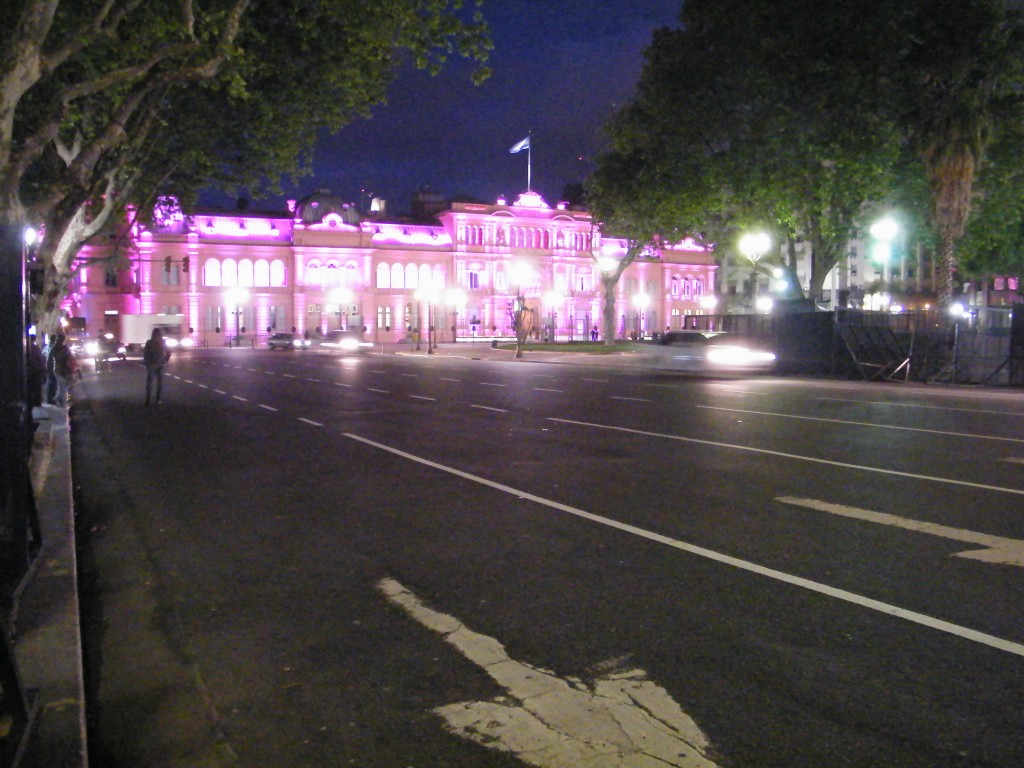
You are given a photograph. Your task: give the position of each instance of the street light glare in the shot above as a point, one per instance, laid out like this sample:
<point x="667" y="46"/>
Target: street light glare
<point x="885" y="229"/>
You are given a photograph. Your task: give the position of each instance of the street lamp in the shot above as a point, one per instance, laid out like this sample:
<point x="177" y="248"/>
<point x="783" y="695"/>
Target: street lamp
<point x="341" y="296"/>
<point x="236" y="297"/>
<point x="641" y="301"/>
<point x="753" y="246"/>
<point x="884" y="232"/>
<point x="552" y="299"/>
<point x="455" y="298"/>
<point x="428" y="295"/>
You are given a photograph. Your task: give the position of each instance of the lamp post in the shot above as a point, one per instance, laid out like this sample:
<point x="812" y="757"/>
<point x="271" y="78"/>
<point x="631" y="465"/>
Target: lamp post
<point x="753" y="246"/>
<point x="236" y="297"/>
<point x="884" y="232"/>
<point x="341" y="296"/>
<point x="641" y="301"/>
<point x="552" y="299"/>
<point x="430" y="296"/>
<point x="455" y="298"/>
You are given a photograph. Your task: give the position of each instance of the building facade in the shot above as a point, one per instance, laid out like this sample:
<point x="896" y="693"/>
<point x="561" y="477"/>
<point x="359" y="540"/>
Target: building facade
<point x="320" y="267"/>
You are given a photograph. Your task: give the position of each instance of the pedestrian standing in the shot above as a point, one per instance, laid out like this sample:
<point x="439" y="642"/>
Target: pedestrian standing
<point x="36" y="374"/>
<point x="60" y="367"/>
<point x="155" y="355"/>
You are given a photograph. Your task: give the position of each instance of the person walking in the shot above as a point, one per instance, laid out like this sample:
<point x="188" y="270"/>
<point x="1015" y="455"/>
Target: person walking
<point x="60" y="366"/>
<point x="155" y="355"/>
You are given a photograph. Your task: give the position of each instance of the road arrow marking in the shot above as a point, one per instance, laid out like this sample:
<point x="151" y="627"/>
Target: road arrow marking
<point x="998" y="549"/>
<point x="621" y="719"/>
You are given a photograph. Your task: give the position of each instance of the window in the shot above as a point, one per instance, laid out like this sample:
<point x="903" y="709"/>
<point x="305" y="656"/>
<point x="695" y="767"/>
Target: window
<point x="397" y="276"/>
<point x="261" y="274"/>
<point x="698" y="286"/>
<point x="229" y="272"/>
<point x="211" y="273"/>
<point x="383" y="276"/>
<point x="384" y="317"/>
<point x="245" y="273"/>
<point x="110" y="278"/>
<point x="278" y="278"/>
<point x="313" y="277"/>
<point x="474" y="280"/>
<point x="170" y="278"/>
<point x="412" y="281"/>
<point x="675" y="287"/>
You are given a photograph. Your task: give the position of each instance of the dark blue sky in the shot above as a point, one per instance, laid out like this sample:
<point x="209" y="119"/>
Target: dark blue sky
<point x="559" y="68"/>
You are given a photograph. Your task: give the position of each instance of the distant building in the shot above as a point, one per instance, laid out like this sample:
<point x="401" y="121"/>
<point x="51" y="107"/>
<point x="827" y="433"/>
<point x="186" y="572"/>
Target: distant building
<point x="321" y="266"/>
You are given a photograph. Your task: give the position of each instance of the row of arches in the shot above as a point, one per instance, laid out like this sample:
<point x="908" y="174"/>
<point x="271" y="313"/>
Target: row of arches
<point x="410" y="276"/>
<point x="687" y="286"/>
<point x="260" y="273"/>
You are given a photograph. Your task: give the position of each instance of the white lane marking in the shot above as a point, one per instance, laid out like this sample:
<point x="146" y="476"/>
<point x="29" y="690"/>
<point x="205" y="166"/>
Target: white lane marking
<point x="288" y="375"/>
<point x="316" y="381"/>
<point x="311" y="422"/>
<point x="423" y="397"/>
<point x="254" y="370"/>
<point x="731" y="391"/>
<point x="411" y="375"/>
<point x="203" y="386"/>
<point x="543" y="389"/>
<point x="239" y="397"/>
<point x="998" y="549"/>
<point x="1013" y="459"/>
<point x="220" y="391"/>
<point x="798" y="581"/>
<point x="598" y="381"/>
<point x="342" y="384"/>
<point x="379" y="391"/>
<point x="268" y="407"/>
<point x="489" y="408"/>
<point x="917" y="405"/>
<point x="378" y="371"/>
<point x="270" y="373"/>
<point x="863" y="424"/>
<point x="188" y="381"/>
<point x="491" y="384"/>
<point x="797" y="457"/>
<point x="545" y="720"/>
<point x="445" y="379"/>
<point x="634" y="399"/>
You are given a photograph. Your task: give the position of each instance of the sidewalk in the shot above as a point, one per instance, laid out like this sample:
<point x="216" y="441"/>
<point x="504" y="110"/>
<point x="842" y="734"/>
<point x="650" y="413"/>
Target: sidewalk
<point x="45" y="624"/>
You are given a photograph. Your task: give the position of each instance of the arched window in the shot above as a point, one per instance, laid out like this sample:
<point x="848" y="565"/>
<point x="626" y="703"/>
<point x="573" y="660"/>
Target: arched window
<point x="425" y="276"/>
<point x="245" y="273"/>
<point x="687" y="286"/>
<point x="383" y="276"/>
<point x="698" y="286"/>
<point x="439" y="276"/>
<point x="229" y="273"/>
<point x="313" y="274"/>
<point x="397" y="276"/>
<point x="675" y="287"/>
<point x="333" y="274"/>
<point x="211" y="273"/>
<point x="261" y="274"/>
<point x="277" y="274"/>
<point x="351" y="276"/>
<point x="412" y="280"/>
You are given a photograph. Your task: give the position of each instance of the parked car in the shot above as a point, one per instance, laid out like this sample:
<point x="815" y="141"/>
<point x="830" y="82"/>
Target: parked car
<point x="345" y="342"/>
<point x="103" y="348"/>
<point x="706" y="352"/>
<point x="287" y="341"/>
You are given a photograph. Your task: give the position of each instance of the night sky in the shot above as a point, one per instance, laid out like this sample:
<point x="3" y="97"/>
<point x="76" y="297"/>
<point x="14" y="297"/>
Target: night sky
<point x="559" y="68"/>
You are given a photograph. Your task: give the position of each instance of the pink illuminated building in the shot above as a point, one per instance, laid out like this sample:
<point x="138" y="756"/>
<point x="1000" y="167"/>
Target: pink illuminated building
<point x="322" y="268"/>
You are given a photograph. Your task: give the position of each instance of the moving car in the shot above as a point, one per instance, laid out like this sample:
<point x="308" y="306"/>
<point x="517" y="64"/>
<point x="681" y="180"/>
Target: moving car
<point x="706" y="352"/>
<point x="346" y="342"/>
<point x="103" y="348"/>
<point x="287" y="341"/>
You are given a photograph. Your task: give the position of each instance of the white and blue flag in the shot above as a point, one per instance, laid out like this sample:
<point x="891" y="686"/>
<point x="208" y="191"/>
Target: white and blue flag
<point x="520" y="146"/>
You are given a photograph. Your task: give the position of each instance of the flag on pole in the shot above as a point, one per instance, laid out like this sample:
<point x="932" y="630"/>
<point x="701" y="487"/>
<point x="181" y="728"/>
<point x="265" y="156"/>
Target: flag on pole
<point x="520" y="146"/>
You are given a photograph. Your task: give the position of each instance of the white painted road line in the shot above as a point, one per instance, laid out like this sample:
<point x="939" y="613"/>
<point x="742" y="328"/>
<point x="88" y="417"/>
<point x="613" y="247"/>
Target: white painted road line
<point x="1013" y="459"/>
<point x="798" y="581"/>
<point x="491" y="384"/>
<point x="379" y="391"/>
<point x="239" y="397"/>
<point x="220" y="391"/>
<point x="342" y="384"/>
<point x="794" y="456"/>
<point x="202" y="385"/>
<point x="863" y="424"/>
<point x="310" y="422"/>
<point x="488" y="408"/>
<point x="445" y="379"/>
<point x="423" y="397"/>
<point x="918" y="405"/>
<point x="268" y="407"/>
<point x="998" y="549"/>
<point x="629" y="720"/>
<point x="543" y="389"/>
<point x="633" y="399"/>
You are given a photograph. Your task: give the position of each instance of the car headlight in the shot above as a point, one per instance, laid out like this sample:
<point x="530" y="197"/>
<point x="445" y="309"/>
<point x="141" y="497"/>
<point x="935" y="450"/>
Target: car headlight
<point x="122" y="350"/>
<point x="728" y="356"/>
<point x="349" y="343"/>
<point x="188" y="342"/>
<point x="170" y="342"/>
<point x="92" y="348"/>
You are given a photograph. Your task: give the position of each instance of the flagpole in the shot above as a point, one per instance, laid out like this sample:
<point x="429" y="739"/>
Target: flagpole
<point x="529" y="168"/>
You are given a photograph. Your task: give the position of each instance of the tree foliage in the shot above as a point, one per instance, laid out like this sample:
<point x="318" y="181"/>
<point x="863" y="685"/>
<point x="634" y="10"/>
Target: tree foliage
<point x="106" y="100"/>
<point x="784" y="117"/>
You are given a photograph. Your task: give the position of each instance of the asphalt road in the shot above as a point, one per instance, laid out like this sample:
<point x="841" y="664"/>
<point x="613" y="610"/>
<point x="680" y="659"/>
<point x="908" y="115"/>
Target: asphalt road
<point x="303" y="560"/>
